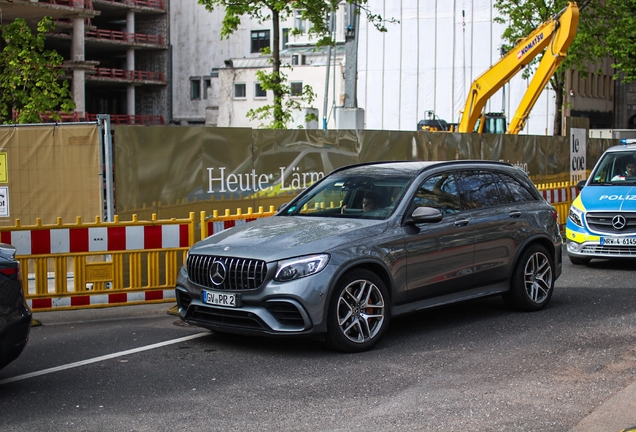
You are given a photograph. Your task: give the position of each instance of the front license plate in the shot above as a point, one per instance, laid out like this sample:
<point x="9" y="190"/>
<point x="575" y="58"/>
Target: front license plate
<point x="614" y="241"/>
<point x="219" y="299"/>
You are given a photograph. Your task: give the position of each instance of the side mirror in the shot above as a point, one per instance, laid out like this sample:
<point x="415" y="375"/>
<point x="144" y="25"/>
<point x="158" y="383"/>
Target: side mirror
<point x="426" y="215"/>
<point x="580" y="185"/>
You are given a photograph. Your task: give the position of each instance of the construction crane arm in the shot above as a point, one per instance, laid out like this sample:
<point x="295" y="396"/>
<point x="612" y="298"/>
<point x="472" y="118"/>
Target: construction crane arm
<point x="557" y="33"/>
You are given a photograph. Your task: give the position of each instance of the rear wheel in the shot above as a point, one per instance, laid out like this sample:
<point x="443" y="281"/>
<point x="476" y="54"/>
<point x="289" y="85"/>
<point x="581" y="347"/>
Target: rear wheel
<point x="532" y="281"/>
<point x="578" y="260"/>
<point x="358" y="312"/>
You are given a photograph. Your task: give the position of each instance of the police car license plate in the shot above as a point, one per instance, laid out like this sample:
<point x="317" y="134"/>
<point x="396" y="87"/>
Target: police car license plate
<point x="618" y="241"/>
<point x="219" y="299"/>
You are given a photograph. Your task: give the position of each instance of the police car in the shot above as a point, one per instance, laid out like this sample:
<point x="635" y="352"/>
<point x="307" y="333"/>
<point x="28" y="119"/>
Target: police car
<point x="602" y="219"/>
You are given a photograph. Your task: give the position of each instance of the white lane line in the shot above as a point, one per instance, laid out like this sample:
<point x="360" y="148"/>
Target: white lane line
<point x="102" y="358"/>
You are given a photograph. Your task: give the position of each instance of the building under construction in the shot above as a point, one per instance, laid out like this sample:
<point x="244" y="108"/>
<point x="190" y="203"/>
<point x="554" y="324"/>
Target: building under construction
<point x="116" y="54"/>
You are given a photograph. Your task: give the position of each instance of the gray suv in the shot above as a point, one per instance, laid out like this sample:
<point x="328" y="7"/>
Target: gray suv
<point x="373" y="241"/>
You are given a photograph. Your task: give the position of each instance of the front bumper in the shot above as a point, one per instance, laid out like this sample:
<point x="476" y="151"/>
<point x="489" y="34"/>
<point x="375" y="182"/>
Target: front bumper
<point x="583" y="244"/>
<point x="276" y="309"/>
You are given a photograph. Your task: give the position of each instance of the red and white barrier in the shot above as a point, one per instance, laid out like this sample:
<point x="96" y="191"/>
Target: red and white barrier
<point x="557" y="195"/>
<point x="97" y="239"/>
<point x="217" y="227"/>
<point x="120" y="299"/>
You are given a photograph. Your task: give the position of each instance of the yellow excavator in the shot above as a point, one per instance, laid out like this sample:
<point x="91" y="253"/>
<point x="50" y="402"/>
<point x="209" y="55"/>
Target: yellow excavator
<point x="556" y="35"/>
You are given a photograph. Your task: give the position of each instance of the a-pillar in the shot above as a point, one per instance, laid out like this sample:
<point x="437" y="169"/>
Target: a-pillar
<point x="130" y="64"/>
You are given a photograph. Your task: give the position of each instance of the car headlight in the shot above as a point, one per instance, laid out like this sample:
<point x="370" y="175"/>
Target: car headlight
<point x="300" y="267"/>
<point x="576" y="216"/>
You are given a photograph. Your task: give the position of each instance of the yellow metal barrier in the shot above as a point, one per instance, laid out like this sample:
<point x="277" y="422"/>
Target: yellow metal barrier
<point x="560" y="195"/>
<point x="215" y="223"/>
<point x="100" y="264"/>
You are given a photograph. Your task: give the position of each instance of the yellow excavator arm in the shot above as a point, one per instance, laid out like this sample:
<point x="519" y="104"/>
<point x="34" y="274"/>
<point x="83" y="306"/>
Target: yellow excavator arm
<point x="556" y="34"/>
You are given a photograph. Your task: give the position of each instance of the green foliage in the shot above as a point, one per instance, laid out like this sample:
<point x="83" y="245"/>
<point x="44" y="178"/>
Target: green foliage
<point x="610" y="31"/>
<point x="607" y="28"/>
<point x="279" y="115"/>
<point x="316" y="12"/>
<point x="29" y="74"/>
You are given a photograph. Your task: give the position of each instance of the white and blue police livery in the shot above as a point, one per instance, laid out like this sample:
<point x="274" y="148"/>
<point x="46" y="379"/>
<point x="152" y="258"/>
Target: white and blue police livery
<point x="602" y="219"/>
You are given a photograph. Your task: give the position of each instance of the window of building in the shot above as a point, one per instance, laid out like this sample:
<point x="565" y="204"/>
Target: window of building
<point x="239" y="91"/>
<point x="583" y="86"/>
<point x="195" y="88"/>
<point x="260" y="40"/>
<point x="285" y="38"/>
<point x="299" y="22"/>
<point x="207" y="83"/>
<point x="296" y="88"/>
<point x="294" y="59"/>
<point x="258" y="91"/>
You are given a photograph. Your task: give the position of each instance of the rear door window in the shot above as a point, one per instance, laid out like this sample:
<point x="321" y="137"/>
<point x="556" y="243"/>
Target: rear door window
<point x="517" y="191"/>
<point x="478" y="190"/>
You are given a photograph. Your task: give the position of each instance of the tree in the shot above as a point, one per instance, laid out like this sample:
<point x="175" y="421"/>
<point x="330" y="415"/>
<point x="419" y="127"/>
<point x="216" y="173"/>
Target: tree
<point x="315" y="11"/>
<point x="30" y="75"/>
<point x="524" y="16"/>
<point x="611" y="31"/>
<point x="606" y="29"/>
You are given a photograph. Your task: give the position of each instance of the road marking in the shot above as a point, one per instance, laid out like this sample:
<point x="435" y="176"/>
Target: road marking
<point x="102" y="358"/>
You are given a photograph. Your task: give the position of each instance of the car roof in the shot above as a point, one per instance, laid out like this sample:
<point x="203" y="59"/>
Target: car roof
<point x="415" y="167"/>
<point x="622" y="148"/>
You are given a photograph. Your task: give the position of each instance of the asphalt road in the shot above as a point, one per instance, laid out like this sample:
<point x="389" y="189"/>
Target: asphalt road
<point x="475" y="366"/>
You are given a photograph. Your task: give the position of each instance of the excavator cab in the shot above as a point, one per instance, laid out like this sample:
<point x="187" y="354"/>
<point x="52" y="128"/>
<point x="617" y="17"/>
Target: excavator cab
<point x="494" y="123"/>
<point x="432" y="123"/>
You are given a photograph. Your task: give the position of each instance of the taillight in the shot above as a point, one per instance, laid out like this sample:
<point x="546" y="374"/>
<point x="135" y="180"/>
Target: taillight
<point x="555" y="215"/>
<point x="9" y="271"/>
<point x="12" y="272"/>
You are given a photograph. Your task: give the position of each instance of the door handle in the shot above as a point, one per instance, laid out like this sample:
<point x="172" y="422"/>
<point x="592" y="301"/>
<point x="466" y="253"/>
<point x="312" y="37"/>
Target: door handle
<point x="461" y="222"/>
<point x="514" y="213"/>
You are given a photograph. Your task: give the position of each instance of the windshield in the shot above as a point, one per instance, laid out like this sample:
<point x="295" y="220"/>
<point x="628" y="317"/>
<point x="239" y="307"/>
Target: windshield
<point x="351" y="196"/>
<point x="615" y="168"/>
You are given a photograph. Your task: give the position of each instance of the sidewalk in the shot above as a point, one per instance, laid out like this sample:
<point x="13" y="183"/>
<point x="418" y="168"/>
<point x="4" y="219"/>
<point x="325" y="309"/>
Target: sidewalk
<point x="616" y="414"/>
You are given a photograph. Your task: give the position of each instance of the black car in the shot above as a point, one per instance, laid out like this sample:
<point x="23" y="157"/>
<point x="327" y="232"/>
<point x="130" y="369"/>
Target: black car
<point x="373" y="241"/>
<point x="15" y="316"/>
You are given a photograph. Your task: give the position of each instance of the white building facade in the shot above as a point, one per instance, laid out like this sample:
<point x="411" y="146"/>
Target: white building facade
<point x="426" y="62"/>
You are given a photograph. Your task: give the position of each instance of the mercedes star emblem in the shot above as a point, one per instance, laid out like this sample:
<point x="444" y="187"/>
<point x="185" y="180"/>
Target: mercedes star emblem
<point x="217" y="273"/>
<point x="619" y="222"/>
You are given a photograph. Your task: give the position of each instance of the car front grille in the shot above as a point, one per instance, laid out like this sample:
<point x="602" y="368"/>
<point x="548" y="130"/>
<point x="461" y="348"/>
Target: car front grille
<point x="227" y="318"/>
<point x="225" y="273"/>
<point x="609" y="251"/>
<point x="601" y="222"/>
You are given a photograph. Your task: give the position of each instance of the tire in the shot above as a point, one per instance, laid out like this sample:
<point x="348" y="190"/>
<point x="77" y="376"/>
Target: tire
<point x="358" y="312"/>
<point x="532" y="281"/>
<point x="578" y="260"/>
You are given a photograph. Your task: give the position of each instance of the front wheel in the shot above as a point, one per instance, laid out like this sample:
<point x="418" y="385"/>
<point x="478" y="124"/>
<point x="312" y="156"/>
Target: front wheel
<point x="532" y="280"/>
<point x="358" y="312"/>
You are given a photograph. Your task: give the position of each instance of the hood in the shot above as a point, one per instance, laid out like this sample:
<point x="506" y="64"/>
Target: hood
<point x="609" y="198"/>
<point x="279" y="237"/>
